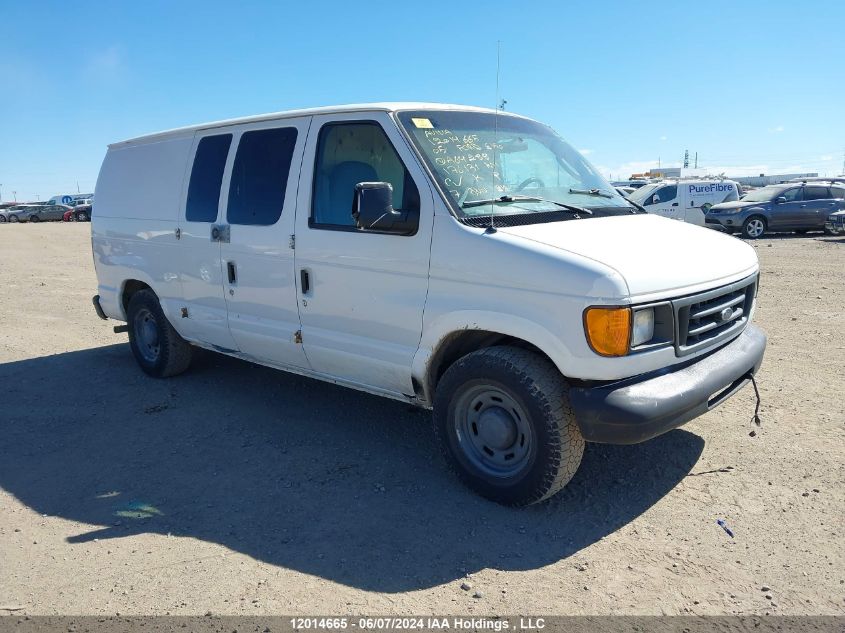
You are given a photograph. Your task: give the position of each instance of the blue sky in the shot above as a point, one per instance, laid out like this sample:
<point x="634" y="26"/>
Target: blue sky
<point x="751" y="86"/>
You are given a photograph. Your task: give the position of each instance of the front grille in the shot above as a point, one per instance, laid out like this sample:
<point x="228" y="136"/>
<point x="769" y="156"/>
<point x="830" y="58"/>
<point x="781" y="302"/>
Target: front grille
<point x="705" y="319"/>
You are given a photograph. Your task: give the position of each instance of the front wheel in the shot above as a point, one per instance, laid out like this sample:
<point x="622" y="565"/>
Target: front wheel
<point x="754" y="227"/>
<point x="14" y="218"/>
<point x="503" y="422"/>
<point x="157" y="347"/>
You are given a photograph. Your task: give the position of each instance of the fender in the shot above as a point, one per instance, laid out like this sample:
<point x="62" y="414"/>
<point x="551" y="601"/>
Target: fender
<point x="438" y="332"/>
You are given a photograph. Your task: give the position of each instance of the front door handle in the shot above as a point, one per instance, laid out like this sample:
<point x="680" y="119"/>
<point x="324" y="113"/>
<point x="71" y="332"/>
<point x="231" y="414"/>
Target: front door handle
<point x="230" y="268"/>
<point x="674" y="204"/>
<point x="304" y="281"/>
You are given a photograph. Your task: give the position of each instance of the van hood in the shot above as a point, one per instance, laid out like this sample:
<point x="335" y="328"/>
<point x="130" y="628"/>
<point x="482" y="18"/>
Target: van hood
<point x="736" y="204"/>
<point x="656" y="256"/>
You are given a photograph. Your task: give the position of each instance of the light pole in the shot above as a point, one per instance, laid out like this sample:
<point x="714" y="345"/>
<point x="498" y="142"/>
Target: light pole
<point x="15" y="194"/>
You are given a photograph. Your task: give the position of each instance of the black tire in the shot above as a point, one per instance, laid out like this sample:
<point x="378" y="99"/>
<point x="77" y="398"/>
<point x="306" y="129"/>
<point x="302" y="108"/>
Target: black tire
<point x="34" y="218"/>
<point x="81" y="216"/>
<point x="3" y="219"/>
<point x="14" y="218"/>
<point x="157" y="347"/>
<point x="530" y="384"/>
<point x="751" y="226"/>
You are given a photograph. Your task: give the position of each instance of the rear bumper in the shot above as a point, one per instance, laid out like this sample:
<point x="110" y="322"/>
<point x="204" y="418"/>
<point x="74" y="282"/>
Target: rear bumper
<point x="639" y="408"/>
<point x="98" y="308"/>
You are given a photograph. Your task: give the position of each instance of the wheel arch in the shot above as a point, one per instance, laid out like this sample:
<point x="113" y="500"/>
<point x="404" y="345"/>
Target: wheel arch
<point x="127" y="289"/>
<point x="439" y="351"/>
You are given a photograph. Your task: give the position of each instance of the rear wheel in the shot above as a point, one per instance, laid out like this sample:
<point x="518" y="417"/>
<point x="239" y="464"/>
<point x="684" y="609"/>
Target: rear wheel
<point x="157" y="347"/>
<point x="33" y="218"/>
<point x="14" y="218"/>
<point x="503" y="423"/>
<point x="82" y="216"/>
<point x="754" y="227"/>
<point x="3" y="219"/>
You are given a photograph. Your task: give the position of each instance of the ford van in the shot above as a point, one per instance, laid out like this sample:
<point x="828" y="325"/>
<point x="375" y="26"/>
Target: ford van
<point x="460" y="259"/>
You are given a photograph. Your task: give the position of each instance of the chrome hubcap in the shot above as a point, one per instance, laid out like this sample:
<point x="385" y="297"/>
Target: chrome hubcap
<point x="146" y="335"/>
<point x="493" y="431"/>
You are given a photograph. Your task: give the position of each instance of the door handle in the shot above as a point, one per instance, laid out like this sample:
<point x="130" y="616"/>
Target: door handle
<point x="304" y="281"/>
<point x="230" y="268"/>
<point x="674" y="204"/>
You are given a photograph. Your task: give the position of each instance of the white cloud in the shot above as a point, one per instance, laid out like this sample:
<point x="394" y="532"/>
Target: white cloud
<point x="663" y="138"/>
<point x="777" y="129"/>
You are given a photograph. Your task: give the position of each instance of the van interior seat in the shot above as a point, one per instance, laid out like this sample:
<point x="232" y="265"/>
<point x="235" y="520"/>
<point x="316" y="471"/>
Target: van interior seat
<point x="337" y="205"/>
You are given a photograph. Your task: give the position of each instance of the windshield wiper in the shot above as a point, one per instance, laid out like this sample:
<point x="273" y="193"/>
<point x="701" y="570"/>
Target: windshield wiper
<point x="508" y="199"/>
<point x="592" y="192"/>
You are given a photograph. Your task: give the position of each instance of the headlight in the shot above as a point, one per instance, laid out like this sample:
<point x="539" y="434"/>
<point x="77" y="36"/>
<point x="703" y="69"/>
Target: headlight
<point x="643" y="328"/>
<point x="608" y="330"/>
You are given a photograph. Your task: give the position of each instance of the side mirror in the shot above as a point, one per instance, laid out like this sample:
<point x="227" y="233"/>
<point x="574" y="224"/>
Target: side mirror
<point x="372" y="210"/>
<point x="656" y="199"/>
<point x="780" y="199"/>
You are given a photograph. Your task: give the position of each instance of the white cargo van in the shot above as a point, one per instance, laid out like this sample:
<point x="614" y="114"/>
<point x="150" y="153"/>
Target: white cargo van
<point x="686" y="200"/>
<point x="456" y="258"/>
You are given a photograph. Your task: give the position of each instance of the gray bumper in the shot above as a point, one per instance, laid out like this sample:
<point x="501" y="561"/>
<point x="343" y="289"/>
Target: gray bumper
<point x="639" y="408"/>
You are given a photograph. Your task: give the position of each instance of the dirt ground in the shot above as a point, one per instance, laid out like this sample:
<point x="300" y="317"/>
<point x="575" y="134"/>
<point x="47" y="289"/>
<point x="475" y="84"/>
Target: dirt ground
<point x="236" y="489"/>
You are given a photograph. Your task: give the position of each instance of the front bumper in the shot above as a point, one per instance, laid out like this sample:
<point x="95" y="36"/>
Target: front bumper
<point x="724" y="220"/>
<point x="639" y="408"/>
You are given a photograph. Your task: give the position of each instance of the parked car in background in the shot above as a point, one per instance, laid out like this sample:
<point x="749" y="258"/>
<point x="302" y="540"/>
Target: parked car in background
<point x="625" y="191"/>
<point x="42" y="213"/>
<point x="79" y="202"/>
<point x="798" y="207"/>
<point x="18" y="213"/>
<point x="686" y="200"/>
<point x="82" y="213"/>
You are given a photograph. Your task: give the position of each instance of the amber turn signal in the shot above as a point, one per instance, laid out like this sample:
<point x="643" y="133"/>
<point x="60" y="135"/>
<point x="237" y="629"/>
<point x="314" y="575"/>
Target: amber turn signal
<point x="608" y="330"/>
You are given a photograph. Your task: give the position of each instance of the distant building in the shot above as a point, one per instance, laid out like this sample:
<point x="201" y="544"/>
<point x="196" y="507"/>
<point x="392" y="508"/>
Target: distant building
<point x="762" y="180"/>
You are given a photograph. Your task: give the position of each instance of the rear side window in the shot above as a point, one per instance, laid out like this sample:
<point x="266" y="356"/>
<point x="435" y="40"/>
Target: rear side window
<point x="260" y="176"/>
<point x="837" y="192"/>
<point x="812" y="192"/>
<point x="206" y="177"/>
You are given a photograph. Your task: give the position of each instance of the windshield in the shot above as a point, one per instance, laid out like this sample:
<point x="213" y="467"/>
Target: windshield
<point x="520" y="164"/>
<point x="641" y="194"/>
<point x="762" y="195"/>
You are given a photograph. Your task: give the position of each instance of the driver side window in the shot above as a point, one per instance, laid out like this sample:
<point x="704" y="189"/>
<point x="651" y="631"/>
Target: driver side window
<point x="664" y="194"/>
<point x="349" y="153"/>
<point x="792" y="195"/>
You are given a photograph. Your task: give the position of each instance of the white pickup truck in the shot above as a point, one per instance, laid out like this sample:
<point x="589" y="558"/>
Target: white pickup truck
<point x="457" y="258"/>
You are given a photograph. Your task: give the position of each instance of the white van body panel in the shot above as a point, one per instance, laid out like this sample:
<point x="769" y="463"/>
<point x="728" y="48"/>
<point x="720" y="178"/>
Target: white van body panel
<point x="138" y="194"/>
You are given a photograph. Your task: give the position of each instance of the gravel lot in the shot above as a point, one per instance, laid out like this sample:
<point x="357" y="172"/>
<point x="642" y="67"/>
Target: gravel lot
<point x="240" y="490"/>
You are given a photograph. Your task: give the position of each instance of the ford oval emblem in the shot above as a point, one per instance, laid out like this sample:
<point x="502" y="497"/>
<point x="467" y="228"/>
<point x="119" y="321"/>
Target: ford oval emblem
<point x="726" y="314"/>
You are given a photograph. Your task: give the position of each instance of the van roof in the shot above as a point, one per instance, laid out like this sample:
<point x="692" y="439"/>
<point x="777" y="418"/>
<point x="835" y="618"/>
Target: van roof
<point x="355" y="107"/>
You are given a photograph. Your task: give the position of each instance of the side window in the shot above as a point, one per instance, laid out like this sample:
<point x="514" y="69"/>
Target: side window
<point x="664" y="194"/>
<point x="814" y="192"/>
<point x="349" y="153"/>
<point x="206" y="177"/>
<point x="260" y="176"/>
<point x="792" y="195"/>
<point x="837" y="192"/>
